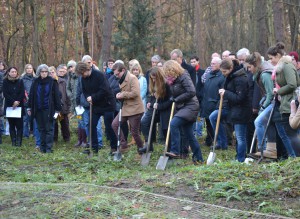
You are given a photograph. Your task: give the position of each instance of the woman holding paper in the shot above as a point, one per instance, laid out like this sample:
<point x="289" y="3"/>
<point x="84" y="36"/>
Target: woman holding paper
<point x="44" y="105"/>
<point x="14" y="94"/>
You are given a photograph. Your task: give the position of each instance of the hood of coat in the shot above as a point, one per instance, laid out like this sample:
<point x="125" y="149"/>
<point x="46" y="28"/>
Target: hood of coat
<point x="267" y="66"/>
<point x="284" y="60"/>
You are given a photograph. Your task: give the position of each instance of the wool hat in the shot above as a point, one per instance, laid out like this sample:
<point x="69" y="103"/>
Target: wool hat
<point x="71" y="63"/>
<point x="295" y="55"/>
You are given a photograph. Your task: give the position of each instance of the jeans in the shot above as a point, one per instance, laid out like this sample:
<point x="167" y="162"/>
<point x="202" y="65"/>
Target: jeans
<point x="285" y="138"/>
<point x="26" y="125"/>
<point x="199" y="126"/>
<point x="86" y="120"/>
<point x="221" y="138"/>
<point x="187" y="127"/>
<point x="36" y="133"/>
<point x="260" y="125"/>
<point x="241" y="133"/>
<point x="99" y="132"/>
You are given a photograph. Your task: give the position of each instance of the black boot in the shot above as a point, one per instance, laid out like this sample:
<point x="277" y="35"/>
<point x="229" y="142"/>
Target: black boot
<point x="19" y="139"/>
<point x="144" y="149"/>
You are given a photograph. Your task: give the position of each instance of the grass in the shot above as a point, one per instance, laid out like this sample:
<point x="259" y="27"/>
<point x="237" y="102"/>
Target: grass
<point x="271" y="188"/>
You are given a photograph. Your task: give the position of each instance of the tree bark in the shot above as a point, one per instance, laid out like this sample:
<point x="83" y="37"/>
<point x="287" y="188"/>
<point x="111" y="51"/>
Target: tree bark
<point x="294" y="13"/>
<point x="107" y="31"/>
<point x="278" y="20"/>
<point x="50" y="34"/>
<point x="261" y="30"/>
<point x="35" y="51"/>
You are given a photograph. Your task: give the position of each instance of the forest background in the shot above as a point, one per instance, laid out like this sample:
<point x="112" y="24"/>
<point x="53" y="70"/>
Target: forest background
<point x="55" y="31"/>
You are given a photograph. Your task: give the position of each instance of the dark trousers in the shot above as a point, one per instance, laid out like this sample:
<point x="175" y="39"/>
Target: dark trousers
<point x="146" y="122"/>
<point x="210" y="133"/>
<point x="45" y="127"/>
<point x="64" y="128"/>
<point x="124" y="126"/>
<point x="134" y="122"/>
<point x="250" y="133"/>
<point x="108" y="118"/>
<point x="15" y="128"/>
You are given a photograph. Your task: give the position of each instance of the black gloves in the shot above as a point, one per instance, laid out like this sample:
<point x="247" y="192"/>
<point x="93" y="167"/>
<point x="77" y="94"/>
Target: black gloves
<point x="172" y="99"/>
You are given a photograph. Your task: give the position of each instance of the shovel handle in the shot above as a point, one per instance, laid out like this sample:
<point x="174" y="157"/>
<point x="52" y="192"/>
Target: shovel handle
<point x="91" y="113"/>
<point x="168" y="132"/>
<point x="151" y="127"/>
<point x="218" y="122"/>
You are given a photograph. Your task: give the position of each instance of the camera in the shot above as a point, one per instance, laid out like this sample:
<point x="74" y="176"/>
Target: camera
<point x="296" y="102"/>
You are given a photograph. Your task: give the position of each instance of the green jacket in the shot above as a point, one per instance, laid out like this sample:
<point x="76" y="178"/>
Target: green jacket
<point x="71" y="90"/>
<point x="286" y="78"/>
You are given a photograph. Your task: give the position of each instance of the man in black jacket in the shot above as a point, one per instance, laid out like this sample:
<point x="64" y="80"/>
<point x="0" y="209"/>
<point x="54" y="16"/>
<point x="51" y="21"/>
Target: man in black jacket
<point x="97" y="92"/>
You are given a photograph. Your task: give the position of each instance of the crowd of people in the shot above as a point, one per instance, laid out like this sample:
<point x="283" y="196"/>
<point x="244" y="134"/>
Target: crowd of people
<point x="260" y="100"/>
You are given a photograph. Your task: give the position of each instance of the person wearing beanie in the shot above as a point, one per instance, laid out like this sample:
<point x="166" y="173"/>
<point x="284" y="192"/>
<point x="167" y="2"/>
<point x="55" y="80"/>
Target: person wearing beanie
<point x="14" y="93"/>
<point x="295" y="60"/>
<point x="44" y="105"/>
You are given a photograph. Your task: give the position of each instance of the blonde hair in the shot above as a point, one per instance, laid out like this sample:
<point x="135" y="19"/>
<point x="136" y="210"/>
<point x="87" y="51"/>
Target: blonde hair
<point x="172" y="68"/>
<point x="158" y="86"/>
<point x="26" y="66"/>
<point x="138" y="66"/>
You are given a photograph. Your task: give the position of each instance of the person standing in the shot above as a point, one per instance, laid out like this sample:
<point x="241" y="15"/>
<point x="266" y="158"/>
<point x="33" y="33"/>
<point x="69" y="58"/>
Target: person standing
<point x="14" y="93"/>
<point x="71" y="84"/>
<point x="97" y="92"/>
<point x="44" y="102"/>
<point x="132" y="109"/>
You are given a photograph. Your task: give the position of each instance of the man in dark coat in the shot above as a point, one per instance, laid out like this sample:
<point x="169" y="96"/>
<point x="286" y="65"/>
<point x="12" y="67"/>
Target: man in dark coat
<point x="97" y="92"/>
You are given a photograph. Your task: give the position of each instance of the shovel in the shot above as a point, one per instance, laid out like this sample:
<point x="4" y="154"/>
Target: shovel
<point x="91" y="149"/>
<point x="117" y="154"/>
<point x="162" y="162"/>
<point x="146" y="156"/>
<point x="249" y="159"/>
<point x="212" y="155"/>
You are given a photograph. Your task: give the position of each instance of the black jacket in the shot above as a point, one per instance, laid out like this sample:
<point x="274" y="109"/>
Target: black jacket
<point x="54" y="99"/>
<point x="237" y="95"/>
<point x="214" y="81"/>
<point x="80" y="99"/>
<point x="184" y="94"/>
<point x="13" y="90"/>
<point x="114" y="85"/>
<point x="191" y="70"/>
<point x="164" y="108"/>
<point x="199" y="85"/>
<point x="96" y="86"/>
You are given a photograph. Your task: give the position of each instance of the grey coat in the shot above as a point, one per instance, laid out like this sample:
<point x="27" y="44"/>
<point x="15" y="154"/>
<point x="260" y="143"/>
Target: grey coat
<point x="71" y="90"/>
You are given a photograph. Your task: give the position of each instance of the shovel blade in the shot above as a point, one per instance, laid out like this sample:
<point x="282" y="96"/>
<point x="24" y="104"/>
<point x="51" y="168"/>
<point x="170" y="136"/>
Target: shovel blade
<point x="162" y="163"/>
<point x="145" y="159"/>
<point x="211" y="158"/>
<point x="117" y="156"/>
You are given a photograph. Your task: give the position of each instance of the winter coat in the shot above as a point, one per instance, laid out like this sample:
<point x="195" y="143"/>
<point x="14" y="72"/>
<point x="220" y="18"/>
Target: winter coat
<point x="199" y="85"/>
<point x="96" y="86"/>
<point x="237" y="94"/>
<point x="71" y="89"/>
<point x="27" y="81"/>
<point x="1" y="94"/>
<point x="191" y="70"/>
<point x="13" y="90"/>
<point x="286" y="78"/>
<point x="214" y="82"/>
<point x="294" y="119"/>
<point x="65" y="99"/>
<point x="184" y="94"/>
<point x="164" y="108"/>
<point x="80" y="99"/>
<point x="114" y="85"/>
<point x="130" y="89"/>
<point x="53" y="99"/>
<point x="264" y="81"/>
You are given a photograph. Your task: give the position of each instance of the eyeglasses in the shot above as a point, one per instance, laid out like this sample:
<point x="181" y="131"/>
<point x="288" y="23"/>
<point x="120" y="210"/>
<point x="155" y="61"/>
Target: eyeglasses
<point x="44" y="71"/>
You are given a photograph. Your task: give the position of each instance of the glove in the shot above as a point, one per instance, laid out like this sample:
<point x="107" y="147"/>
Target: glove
<point x="172" y="99"/>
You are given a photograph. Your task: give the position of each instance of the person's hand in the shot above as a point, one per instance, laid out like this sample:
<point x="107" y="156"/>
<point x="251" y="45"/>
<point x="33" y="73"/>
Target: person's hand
<point x="275" y="90"/>
<point x="221" y="92"/>
<point x="172" y="99"/>
<point x="15" y="104"/>
<point x="148" y="105"/>
<point x="89" y="99"/>
<point x="29" y="112"/>
<point x="293" y="107"/>
<point x="119" y="96"/>
<point x="155" y="105"/>
<point x="155" y="95"/>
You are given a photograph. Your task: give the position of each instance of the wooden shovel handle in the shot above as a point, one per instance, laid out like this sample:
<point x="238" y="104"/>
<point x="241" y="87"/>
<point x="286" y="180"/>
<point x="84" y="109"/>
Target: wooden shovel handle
<point x="218" y="121"/>
<point x="168" y="132"/>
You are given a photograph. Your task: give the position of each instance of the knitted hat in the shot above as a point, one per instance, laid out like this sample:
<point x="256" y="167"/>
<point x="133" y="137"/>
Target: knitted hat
<point x="295" y="55"/>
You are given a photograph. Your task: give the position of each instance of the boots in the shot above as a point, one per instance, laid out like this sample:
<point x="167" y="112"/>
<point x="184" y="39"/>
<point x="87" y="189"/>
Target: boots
<point x="83" y="138"/>
<point x="13" y="137"/>
<point x="144" y="149"/>
<point x="79" y="134"/>
<point x="19" y="139"/>
<point x="270" y="151"/>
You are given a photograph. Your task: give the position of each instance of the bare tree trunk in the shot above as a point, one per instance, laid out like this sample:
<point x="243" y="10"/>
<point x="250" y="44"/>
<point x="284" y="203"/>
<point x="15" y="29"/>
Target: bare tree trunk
<point x="294" y="13"/>
<point x="158" y="26"/>
<point x="261" y="30"/>
<point x="278" y="20"/>
<point x="107" y="31"/>
<point x="50" y="34"/>
<point x="199" y="37"/>
<point x="35" y="51"/>
<point x="234" y="38"/>
<point x="85" y="20"/>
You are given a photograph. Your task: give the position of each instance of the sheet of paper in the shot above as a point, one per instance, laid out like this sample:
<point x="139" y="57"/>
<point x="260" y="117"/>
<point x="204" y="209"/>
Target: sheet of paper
<point x="13" y="113"/>
<point x="79" y="110"/>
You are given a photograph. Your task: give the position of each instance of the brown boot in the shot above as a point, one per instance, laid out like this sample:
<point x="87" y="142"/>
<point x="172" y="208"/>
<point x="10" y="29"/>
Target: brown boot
<point x="79" y="138"/>
<point x="271" y="151"/>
